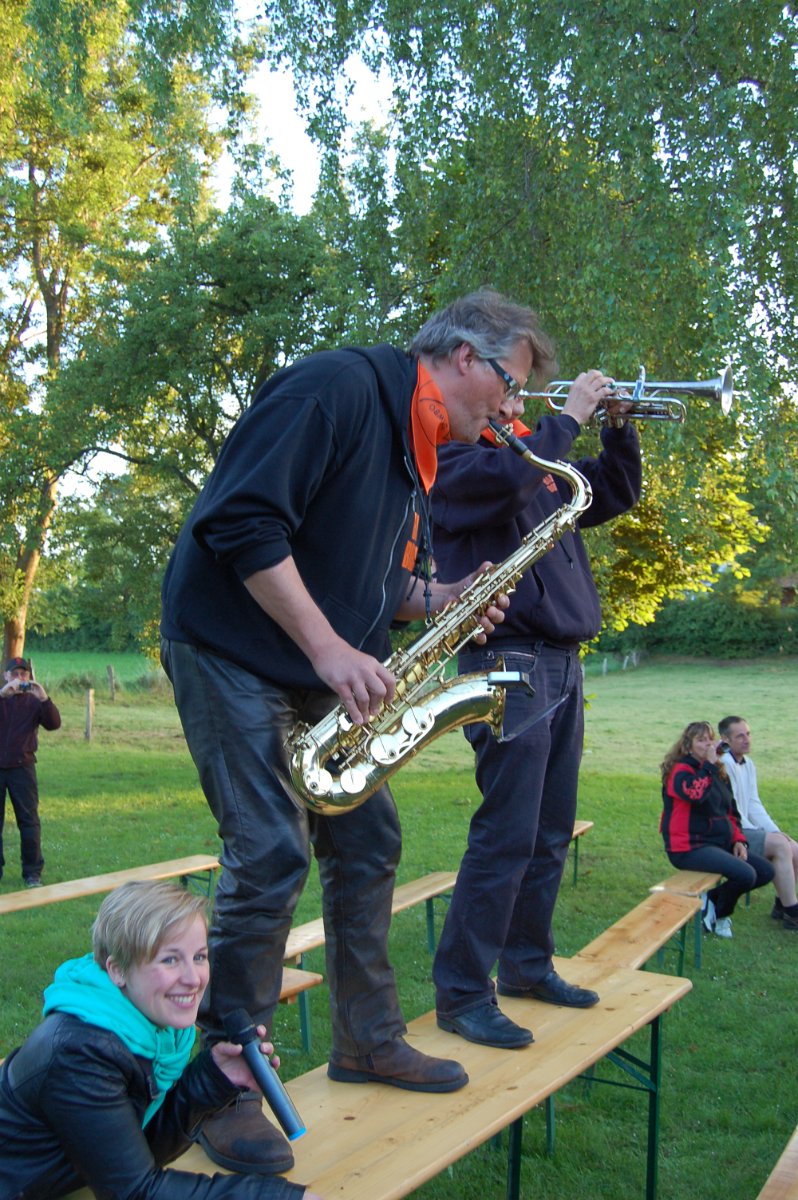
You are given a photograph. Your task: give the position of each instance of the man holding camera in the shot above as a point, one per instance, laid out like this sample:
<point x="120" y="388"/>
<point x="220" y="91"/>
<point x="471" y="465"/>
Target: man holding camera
<point x="24" y="706"/>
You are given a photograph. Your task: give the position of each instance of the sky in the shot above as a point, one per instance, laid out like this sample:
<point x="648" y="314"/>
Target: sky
<point x="280" y="122"/>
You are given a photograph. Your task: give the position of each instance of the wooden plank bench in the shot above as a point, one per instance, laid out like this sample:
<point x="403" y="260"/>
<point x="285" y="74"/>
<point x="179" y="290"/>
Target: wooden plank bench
<point x="74" y="889"/>
<point x="690" y="883"/>
<point x="374" y="1142"/>
<point x="645" y="931"/>
<point x="580" y="828"/>
<point x="782" y="1183"/>
<point x="296" y="982"/>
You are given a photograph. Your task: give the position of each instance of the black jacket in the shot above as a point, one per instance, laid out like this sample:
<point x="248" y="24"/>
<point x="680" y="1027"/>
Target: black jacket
<point x="20" y="718"/>
<point x="71" y="1103"/>
<point x="319" y="468"/>
<point x="486" y="499"/>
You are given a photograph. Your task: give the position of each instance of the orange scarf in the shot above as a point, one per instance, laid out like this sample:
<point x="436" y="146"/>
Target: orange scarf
<point x="429" y="426"/>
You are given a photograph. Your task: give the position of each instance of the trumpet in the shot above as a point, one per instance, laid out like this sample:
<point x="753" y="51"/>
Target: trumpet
<point x="650" y="401"/>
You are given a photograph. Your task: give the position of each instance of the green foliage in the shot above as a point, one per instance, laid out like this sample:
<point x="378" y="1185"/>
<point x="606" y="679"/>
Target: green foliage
<point x="103" y="123"/>
<point x="712" y="627"/>
<point x="627" y="170"/>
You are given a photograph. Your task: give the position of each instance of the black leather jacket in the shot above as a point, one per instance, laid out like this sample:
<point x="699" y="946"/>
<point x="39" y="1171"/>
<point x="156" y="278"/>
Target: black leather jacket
<point x="71" y="1103"/>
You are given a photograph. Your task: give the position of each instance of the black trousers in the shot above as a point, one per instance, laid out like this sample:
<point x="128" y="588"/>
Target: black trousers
<point x="23" y="788"/>
<point x="507" y="885"/>
<point x="235" y="725"/>
<point x="742" y="875"/>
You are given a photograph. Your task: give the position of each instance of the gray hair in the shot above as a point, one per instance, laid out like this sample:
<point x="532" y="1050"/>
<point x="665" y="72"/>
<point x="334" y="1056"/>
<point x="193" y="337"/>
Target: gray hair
<point x="492" y="325"/>
<point x="135" y="919"/>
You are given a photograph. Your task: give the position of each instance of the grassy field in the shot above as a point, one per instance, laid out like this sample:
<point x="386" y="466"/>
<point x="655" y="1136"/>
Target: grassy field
<point x="730" y="1099"/>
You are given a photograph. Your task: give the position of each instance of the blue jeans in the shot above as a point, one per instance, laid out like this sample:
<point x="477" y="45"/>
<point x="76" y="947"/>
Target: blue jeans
<point x="742" y="875"/>
<point x="507" y="886"/>
<point x="235" y="725"/>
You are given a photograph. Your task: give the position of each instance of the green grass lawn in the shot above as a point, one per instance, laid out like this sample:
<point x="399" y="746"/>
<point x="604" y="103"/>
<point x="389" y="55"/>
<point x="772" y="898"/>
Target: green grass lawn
<point x="730" y="1097"/>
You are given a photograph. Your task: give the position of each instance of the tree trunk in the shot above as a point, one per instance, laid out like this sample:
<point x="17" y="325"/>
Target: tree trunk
<point x="28" y="559"/>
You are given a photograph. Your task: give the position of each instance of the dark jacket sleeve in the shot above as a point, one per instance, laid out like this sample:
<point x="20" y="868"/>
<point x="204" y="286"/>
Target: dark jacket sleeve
<point x="615" y="476"/>
<point x="85" y="1099"/>
<point x="478" y="487"/>
<point x="49" y="717"/>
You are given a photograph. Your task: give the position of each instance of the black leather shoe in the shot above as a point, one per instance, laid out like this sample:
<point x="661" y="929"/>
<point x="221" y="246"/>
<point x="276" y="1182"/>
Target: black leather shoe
<point x="241" y="1139"/>
<point x="553" y="990"/>
<point x="488" y="1026"/>
<point x="400" y="1065"/>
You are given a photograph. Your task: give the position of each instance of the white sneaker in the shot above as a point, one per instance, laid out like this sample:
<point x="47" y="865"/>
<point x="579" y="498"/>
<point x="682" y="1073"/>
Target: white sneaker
<point x="723" y="927"/>
<point x="708" y="914"/>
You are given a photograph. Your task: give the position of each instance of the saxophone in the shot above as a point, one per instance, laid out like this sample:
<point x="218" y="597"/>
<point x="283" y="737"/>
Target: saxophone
<point x="335" y="765"/>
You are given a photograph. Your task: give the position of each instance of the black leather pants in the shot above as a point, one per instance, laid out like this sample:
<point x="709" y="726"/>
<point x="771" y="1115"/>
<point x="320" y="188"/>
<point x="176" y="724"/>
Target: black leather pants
<point x="235" y="725"/>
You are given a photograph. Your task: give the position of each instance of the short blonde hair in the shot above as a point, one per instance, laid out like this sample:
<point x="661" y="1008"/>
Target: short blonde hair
<point x="135" y="919"/>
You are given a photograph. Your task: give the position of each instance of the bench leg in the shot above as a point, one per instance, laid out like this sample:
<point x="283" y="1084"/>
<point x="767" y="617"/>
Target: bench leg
<point x="430" y="926"/>
<point x="697" y="940"/>
<point x="430" y="903"/>
<point x="550" y="1125"/>
<point x="514" y="1159"/>
<point x="203" y="882"/>
<point x="652" y="1168"/>
<point x="646" y="1077"/>
<point x="304" y="1021"/>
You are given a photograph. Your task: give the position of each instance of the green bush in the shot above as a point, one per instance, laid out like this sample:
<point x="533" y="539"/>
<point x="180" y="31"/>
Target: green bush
<point x="712" y="627"/>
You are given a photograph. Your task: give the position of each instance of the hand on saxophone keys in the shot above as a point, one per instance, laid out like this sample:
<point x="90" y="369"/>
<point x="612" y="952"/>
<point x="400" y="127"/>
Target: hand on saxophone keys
<point x="493" y="614"/>
<point x="363" y="684"/>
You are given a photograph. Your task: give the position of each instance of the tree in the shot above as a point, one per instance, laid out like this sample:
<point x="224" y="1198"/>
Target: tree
<point x="224" y="300"/>
<point x="629" y="170"/>
<point x="105" y="116"/>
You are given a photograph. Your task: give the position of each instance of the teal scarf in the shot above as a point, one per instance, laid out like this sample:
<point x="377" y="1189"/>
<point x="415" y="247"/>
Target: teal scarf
<point x="84" y="990"/>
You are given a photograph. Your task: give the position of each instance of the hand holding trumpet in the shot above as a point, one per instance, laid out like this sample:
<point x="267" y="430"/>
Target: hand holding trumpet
<point x="592" y="390"/>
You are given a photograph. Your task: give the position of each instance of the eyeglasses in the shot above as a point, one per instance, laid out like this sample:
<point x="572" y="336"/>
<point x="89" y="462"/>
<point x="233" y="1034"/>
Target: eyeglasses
<point x="512" y="387"/>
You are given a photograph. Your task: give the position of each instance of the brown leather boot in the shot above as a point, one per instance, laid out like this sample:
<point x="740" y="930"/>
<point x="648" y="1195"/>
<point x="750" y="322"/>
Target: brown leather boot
<point x="241" y="1139"/>
<point x="397" y="1063"/>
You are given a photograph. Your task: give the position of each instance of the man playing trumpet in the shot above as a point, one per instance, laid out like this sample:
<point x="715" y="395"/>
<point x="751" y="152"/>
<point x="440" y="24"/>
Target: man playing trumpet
<point x="486" y="500"/>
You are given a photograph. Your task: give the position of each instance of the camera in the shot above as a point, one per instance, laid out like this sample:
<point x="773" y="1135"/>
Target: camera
<point x="26" y="686"/>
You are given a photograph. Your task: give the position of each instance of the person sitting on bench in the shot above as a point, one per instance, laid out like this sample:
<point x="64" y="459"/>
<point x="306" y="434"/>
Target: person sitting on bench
<point x="102" y="1093"/>
<point x="761" y="831"/>
<point x="700" y="824"/>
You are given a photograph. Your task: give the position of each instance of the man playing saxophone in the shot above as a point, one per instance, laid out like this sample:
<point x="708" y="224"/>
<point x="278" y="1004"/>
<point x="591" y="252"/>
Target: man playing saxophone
<point x="486" y="500"/>
<point x="311" y="536"/>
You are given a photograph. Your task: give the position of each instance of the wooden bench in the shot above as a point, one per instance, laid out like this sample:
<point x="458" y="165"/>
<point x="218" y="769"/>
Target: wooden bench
<point x="296" y="982"/>
<point x="373" y="1142"/>
<point x="690" y="883"/>
<point x="197" y="865"/>
<point x="645" y="931"/>
<point x="580" y="828"/>
<point x="782" y="1183"/>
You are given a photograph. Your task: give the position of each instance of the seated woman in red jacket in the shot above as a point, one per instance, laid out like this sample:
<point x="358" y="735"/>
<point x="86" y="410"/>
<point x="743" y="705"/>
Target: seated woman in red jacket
<point x="700" y="824"/>
<point x="103" y="1093"/>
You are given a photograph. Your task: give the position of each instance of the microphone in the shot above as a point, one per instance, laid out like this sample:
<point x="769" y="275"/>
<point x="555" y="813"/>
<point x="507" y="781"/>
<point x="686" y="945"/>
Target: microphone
<point x="241" y="1030"/>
